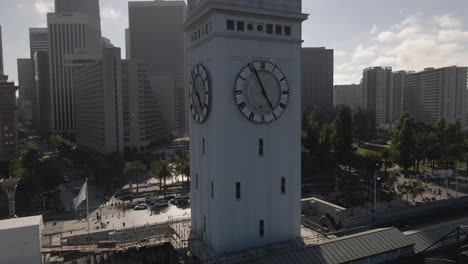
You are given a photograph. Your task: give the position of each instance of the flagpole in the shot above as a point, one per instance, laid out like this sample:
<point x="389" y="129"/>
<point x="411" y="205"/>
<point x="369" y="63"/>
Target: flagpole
<point x="87" y="204"/>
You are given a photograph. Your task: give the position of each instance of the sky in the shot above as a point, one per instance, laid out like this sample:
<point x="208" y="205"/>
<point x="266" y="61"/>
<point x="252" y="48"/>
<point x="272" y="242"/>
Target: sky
<point x="403" y="34"/>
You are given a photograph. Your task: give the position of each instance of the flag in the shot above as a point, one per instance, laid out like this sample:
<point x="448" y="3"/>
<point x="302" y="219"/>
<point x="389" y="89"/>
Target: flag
<point x="81" y="196"/>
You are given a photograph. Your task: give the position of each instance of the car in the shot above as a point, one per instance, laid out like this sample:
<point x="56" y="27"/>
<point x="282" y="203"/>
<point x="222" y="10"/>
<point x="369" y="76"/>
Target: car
<point x="142" y="206"/>
<point x="161" y="203"/>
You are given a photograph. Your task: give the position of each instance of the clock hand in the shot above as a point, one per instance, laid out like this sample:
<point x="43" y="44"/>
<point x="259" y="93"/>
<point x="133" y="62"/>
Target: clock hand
<point x="199" y="100"/>
<point x="263" y="88"/>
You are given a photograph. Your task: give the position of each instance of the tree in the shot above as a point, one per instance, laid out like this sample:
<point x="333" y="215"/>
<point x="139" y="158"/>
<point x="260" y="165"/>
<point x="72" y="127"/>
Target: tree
<point x="61" y="144"/>
<point x="342" y="138"/>
<point x="354" y="199"/>
<point x="416" y="188"/>
<point x="134" y="170"/>
<point x="387" y="189"/>
<point x="361" y="125"/>
<point x="51" y="174"/>
<point x="403" y="143"/>
<point x="161" y="169"/>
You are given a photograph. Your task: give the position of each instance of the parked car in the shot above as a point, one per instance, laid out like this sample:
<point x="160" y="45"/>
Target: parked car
<point x="161" y="203"/>
<point x="142" y="206"/>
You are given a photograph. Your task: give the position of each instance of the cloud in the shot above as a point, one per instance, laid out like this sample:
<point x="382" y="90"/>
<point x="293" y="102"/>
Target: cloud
<point x="110" y="13"/>
<point x="446" y="21"/>
<point x="412" y="44"/>
<point x="374" y="29"/>
<point x="43" y="7"/>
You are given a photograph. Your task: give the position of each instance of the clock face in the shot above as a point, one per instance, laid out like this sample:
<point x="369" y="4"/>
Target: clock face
<point x="199" y="93"/>
<point x="261" y="92"/>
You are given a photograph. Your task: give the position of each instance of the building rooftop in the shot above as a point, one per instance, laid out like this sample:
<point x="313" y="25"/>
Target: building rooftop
<point x="341" y="250"/>
<point x="20" y="222"/>
<point x="427" y="236"/>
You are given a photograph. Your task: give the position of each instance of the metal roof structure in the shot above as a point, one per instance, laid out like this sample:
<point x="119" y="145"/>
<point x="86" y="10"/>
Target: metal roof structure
<point x="425" y="237"/>
<point x="346" y="249"/>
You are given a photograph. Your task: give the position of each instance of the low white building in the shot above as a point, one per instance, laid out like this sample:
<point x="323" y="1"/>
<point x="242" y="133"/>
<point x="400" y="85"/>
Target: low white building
<point x="20" y="240"/>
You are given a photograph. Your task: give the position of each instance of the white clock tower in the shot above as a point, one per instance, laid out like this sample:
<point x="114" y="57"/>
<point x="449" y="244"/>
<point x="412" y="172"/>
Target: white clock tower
<point x="244" y="67"/>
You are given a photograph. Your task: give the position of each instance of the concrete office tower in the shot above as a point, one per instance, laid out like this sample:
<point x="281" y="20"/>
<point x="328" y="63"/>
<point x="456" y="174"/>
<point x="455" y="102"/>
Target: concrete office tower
<point x="397" y="95"/>
<point x="349" y="95"/>
<point x="144" y="126"/>
<point x="2" y="74"/>
<point x="376" y="89"/>
<point x="244" y="65"/>
<point x="317" y="78"/>
<point x="438" y="93"/>
<point x="38" y="41"/>
<point x="155" y="37"/>
<point x="98" y="104"/>
<point x="42" y="84"/>
<point x="74" y="41"/>
<point x="87" y="7"/>
<point x="8" y="131"/>
<point x="25" y="83"/>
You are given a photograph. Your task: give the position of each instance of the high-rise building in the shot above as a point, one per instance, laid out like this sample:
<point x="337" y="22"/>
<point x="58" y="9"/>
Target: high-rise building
<point x="317" y="78"/>
<point x="2" y="74"/>
<point x="8" y="131"/>
<point x="38" y="41"/>
<point x="397" y="97"/>
<point x="349" y="95"/>
<point x="74" y="41"/>
<point x="144" y="126"/>
<point x="376" y="90"/>
<point x="156" y="38"/>
<point x="87" y="7"/>
<point x="42" y="85"/>
<point x="25" y="83"/>
<point x="244" y="64"/>
<point x="8" y="108"/>
<point x="98" y="104"/>
<point x="437" y="93"/>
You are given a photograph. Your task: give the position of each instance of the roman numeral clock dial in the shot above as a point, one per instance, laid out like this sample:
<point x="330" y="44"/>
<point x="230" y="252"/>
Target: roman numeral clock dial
<point x="261" y="92"/>
<point x="199" y="93"/>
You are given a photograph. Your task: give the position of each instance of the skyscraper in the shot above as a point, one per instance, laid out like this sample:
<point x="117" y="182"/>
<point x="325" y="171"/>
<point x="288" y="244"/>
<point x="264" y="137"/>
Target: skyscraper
<point x="98" y="104"/>
<point x="349" y="95"/>
<point x="438" y="93"/>
<point x="155" y="37"/>
<point x="397" y="97"/>
<point x="74" y="41"/>
<point x="376" y="90"/>
<point x="38" y="41"/>
<point x="8" y="131"/>
<point x="2" y="75"/>
<point x="25" y="83"/>
<point x="144" y="126"/>
<point x="42" y="85"/>
<point x="317" y="78"/>
<point x="87" y="7"/>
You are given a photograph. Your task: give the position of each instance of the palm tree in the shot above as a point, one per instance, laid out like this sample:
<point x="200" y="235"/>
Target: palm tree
<point x="134" y="169"/>
<point x="161" y="170"/>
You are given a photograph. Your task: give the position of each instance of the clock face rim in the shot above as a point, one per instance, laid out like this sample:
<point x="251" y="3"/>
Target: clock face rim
<point x="241" y="99"/>
<point x="200" y="114"/>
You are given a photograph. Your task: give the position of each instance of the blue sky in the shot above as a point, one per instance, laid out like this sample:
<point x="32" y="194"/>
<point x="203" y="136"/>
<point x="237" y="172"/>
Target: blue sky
<point x="404" y="34"/>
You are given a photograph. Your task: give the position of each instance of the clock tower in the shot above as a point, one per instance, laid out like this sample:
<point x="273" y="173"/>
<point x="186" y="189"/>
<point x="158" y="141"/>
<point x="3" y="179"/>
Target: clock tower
<point x="244" y="72"/>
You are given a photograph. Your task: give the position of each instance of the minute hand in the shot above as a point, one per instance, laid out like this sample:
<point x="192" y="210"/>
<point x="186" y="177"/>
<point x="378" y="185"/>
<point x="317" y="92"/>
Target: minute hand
<point x="263" y="89"/>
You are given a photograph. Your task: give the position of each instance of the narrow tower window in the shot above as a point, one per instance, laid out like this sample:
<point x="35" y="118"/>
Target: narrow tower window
<point x="203" y="147"/>
<point x="283" y="185"/>
<point x="204" y="224"/>
<point x="240" y="26"/>
<point x="260" y="147"/>
<point x="212" y="190"/>
<point x="238" y="190"/>
<point x="230" y="24"/>
<point x="196" y="181"/>
<point x="261" y="229"/>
